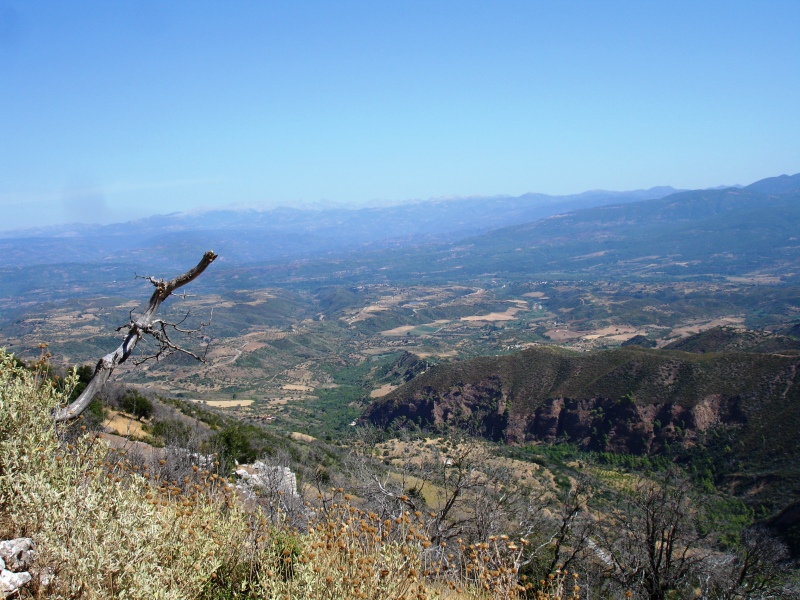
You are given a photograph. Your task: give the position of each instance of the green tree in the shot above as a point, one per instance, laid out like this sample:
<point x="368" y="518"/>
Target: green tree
<point x="242" y="443"/>
<point x="137" y="405"/>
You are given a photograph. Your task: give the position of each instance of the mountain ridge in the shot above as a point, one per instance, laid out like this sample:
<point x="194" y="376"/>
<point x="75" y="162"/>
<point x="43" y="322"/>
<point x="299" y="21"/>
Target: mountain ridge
<point x="182" y="218"/>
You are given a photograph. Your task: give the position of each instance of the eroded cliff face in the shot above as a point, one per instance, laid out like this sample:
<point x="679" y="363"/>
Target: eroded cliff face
<point x="630" y="400"/>
<point x="621" y="425"/>
<point x="598" y="423"/>
<point x="479" y="408"/>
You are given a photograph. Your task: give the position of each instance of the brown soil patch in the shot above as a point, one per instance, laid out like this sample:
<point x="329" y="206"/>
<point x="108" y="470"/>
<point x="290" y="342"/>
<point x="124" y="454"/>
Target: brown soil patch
<point x="252" y="346"/>
<point x="369" y="311"/>
<point x="757" y="279"/>
<point x="378" y="350"/>
<point x="508" y="315"/>
<point x="281" y="401"/>
<point x="402" y="330"/>
<point x="295" y="387"/>
<point x="382" y="391"/>
<point x="443" y="354"/>
<point x="615" y="332"/>
<point x="562" y="335"/>
<point x="698" y="326"/>
<point x="228" y="403"/>
<point x="591" y="255"/>
<point x="130" y="446"/>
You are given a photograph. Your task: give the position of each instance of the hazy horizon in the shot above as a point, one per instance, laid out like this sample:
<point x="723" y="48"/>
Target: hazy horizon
<point x="320" y="205"/>
<point x="113" y="112"/>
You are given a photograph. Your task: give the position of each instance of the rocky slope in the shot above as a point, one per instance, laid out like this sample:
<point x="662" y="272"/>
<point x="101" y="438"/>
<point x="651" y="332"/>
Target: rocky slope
<point x="630" y="400"/>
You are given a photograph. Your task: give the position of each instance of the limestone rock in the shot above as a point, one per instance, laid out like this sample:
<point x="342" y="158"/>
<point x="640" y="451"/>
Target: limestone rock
<point x="18" y="554"/>
<point x="272" y="478"/>
<point x="11" y="582"/>
<point x="15" y="555"/>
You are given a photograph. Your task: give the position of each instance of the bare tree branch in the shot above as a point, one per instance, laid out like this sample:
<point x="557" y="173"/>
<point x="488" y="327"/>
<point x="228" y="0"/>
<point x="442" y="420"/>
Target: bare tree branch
<point x="136" y="329"/>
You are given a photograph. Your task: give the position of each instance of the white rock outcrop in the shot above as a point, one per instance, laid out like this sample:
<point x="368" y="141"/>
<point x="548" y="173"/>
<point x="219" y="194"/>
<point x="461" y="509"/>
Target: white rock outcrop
<point x="267" y="478"/>
<point x="10" y="582"/>
<point x="16" y="556"/>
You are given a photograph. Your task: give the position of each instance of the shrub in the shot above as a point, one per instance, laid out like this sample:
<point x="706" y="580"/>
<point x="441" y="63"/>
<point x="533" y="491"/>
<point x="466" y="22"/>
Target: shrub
<point x="137" y="405"/>
<point x="242" y="443"/>
<point x="93" y="521"/>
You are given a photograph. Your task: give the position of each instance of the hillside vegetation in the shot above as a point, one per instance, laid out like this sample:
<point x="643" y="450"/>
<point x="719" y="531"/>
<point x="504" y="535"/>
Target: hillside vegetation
<point x="107" y="524"/>
<point x="124" y="525"/>
<point x="628" y="400"/>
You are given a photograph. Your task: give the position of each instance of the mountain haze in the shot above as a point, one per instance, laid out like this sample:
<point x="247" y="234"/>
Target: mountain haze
<point x="245" y="236"/>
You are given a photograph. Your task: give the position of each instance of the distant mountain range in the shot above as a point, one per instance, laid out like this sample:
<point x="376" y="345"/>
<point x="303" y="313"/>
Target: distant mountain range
<point x="248" y="235"/>
<point x="656" y="233"/>
<point x="749" y="231"/>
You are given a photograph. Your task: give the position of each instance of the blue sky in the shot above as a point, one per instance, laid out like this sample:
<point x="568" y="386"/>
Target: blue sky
<point x="115" y="110"/>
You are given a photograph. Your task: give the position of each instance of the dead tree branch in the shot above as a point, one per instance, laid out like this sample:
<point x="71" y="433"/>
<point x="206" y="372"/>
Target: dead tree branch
<point x="136" y="330"/>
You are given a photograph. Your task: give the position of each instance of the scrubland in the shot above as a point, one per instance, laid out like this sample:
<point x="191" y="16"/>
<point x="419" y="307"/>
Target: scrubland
<point x="106" y="525"/>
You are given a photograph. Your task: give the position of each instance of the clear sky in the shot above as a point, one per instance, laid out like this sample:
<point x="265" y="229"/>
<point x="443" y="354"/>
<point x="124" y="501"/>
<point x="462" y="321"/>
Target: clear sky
<point x="113" y="110"/>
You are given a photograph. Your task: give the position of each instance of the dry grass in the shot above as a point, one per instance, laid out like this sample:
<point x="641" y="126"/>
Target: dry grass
<point x="562" y="335"/>
<point x="402" y="330"/>
<point x="349" y="553"/>
<point x="123" y="424"/>
<point x="108" y="525"/>
<point x="508" y="315"/>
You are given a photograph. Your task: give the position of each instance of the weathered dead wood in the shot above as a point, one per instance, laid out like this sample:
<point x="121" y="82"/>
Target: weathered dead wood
<point x="136" y="330"/>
